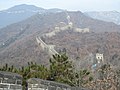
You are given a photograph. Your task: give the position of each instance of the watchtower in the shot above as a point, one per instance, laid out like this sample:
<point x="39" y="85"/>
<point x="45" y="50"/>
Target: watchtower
<point x="99" y="57"/>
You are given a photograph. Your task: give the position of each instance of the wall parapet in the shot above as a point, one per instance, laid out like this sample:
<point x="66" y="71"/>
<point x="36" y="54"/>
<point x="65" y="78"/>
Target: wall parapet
<point x="10" y="81"/>
<point x="13" y="81"/>
<point x="39" y="84"/>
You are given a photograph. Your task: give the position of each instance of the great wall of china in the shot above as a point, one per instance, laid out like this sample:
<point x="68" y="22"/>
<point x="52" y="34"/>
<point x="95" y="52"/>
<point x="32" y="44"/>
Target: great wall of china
<point x="13" y="81"/>
<point x="48" y="48"/>
<point x="10" y="81"/>
<point x="69" y="26"/>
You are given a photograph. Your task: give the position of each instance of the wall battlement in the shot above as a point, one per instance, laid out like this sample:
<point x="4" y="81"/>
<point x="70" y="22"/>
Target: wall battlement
<point x="13" y="81"/>
<point x="10" y="81"/>
<point x="39" y="84"/>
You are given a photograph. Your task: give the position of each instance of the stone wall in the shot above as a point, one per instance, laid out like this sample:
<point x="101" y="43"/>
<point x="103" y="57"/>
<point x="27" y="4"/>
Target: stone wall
<point x="38" y="84"/>
<point x="48" y="48"/>
<point x="13" y="81"/>
<point x="10" y="81"/>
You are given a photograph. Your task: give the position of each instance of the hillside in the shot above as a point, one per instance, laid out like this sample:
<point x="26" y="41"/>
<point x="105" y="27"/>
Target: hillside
<point x="18" y="44"/>
<point x="83" y="47"/>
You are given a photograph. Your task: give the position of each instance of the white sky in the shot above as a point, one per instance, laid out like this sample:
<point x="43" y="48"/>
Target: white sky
<point x="81" y="5"/>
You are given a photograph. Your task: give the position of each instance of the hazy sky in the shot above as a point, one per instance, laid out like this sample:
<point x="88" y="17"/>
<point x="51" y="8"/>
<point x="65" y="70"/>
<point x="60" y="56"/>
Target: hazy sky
<point x="81" y="5"/>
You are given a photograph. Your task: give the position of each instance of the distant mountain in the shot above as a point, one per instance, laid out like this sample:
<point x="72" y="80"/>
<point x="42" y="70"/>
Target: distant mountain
<point x="25" y="7"/>
<point x="21" y="12"/>
<point x="109" y="16"/>
<point x="18" y="41"/>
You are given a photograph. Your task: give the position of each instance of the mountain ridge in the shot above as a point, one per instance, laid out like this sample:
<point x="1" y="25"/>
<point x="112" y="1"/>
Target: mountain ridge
<point x="20" y="37"/>
<point x="21" y="12"/>
<point x="108" y="16"/>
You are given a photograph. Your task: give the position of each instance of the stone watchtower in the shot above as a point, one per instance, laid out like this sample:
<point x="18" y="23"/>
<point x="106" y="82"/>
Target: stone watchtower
<point x="99" y="57"/>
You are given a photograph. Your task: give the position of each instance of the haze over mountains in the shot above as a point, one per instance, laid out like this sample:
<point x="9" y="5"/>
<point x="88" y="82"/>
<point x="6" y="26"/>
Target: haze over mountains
<point x="21" y="12"/>
<point x="108" y="16"/>
<point x="24" y="11"/>
<point x="18" y="45"/>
